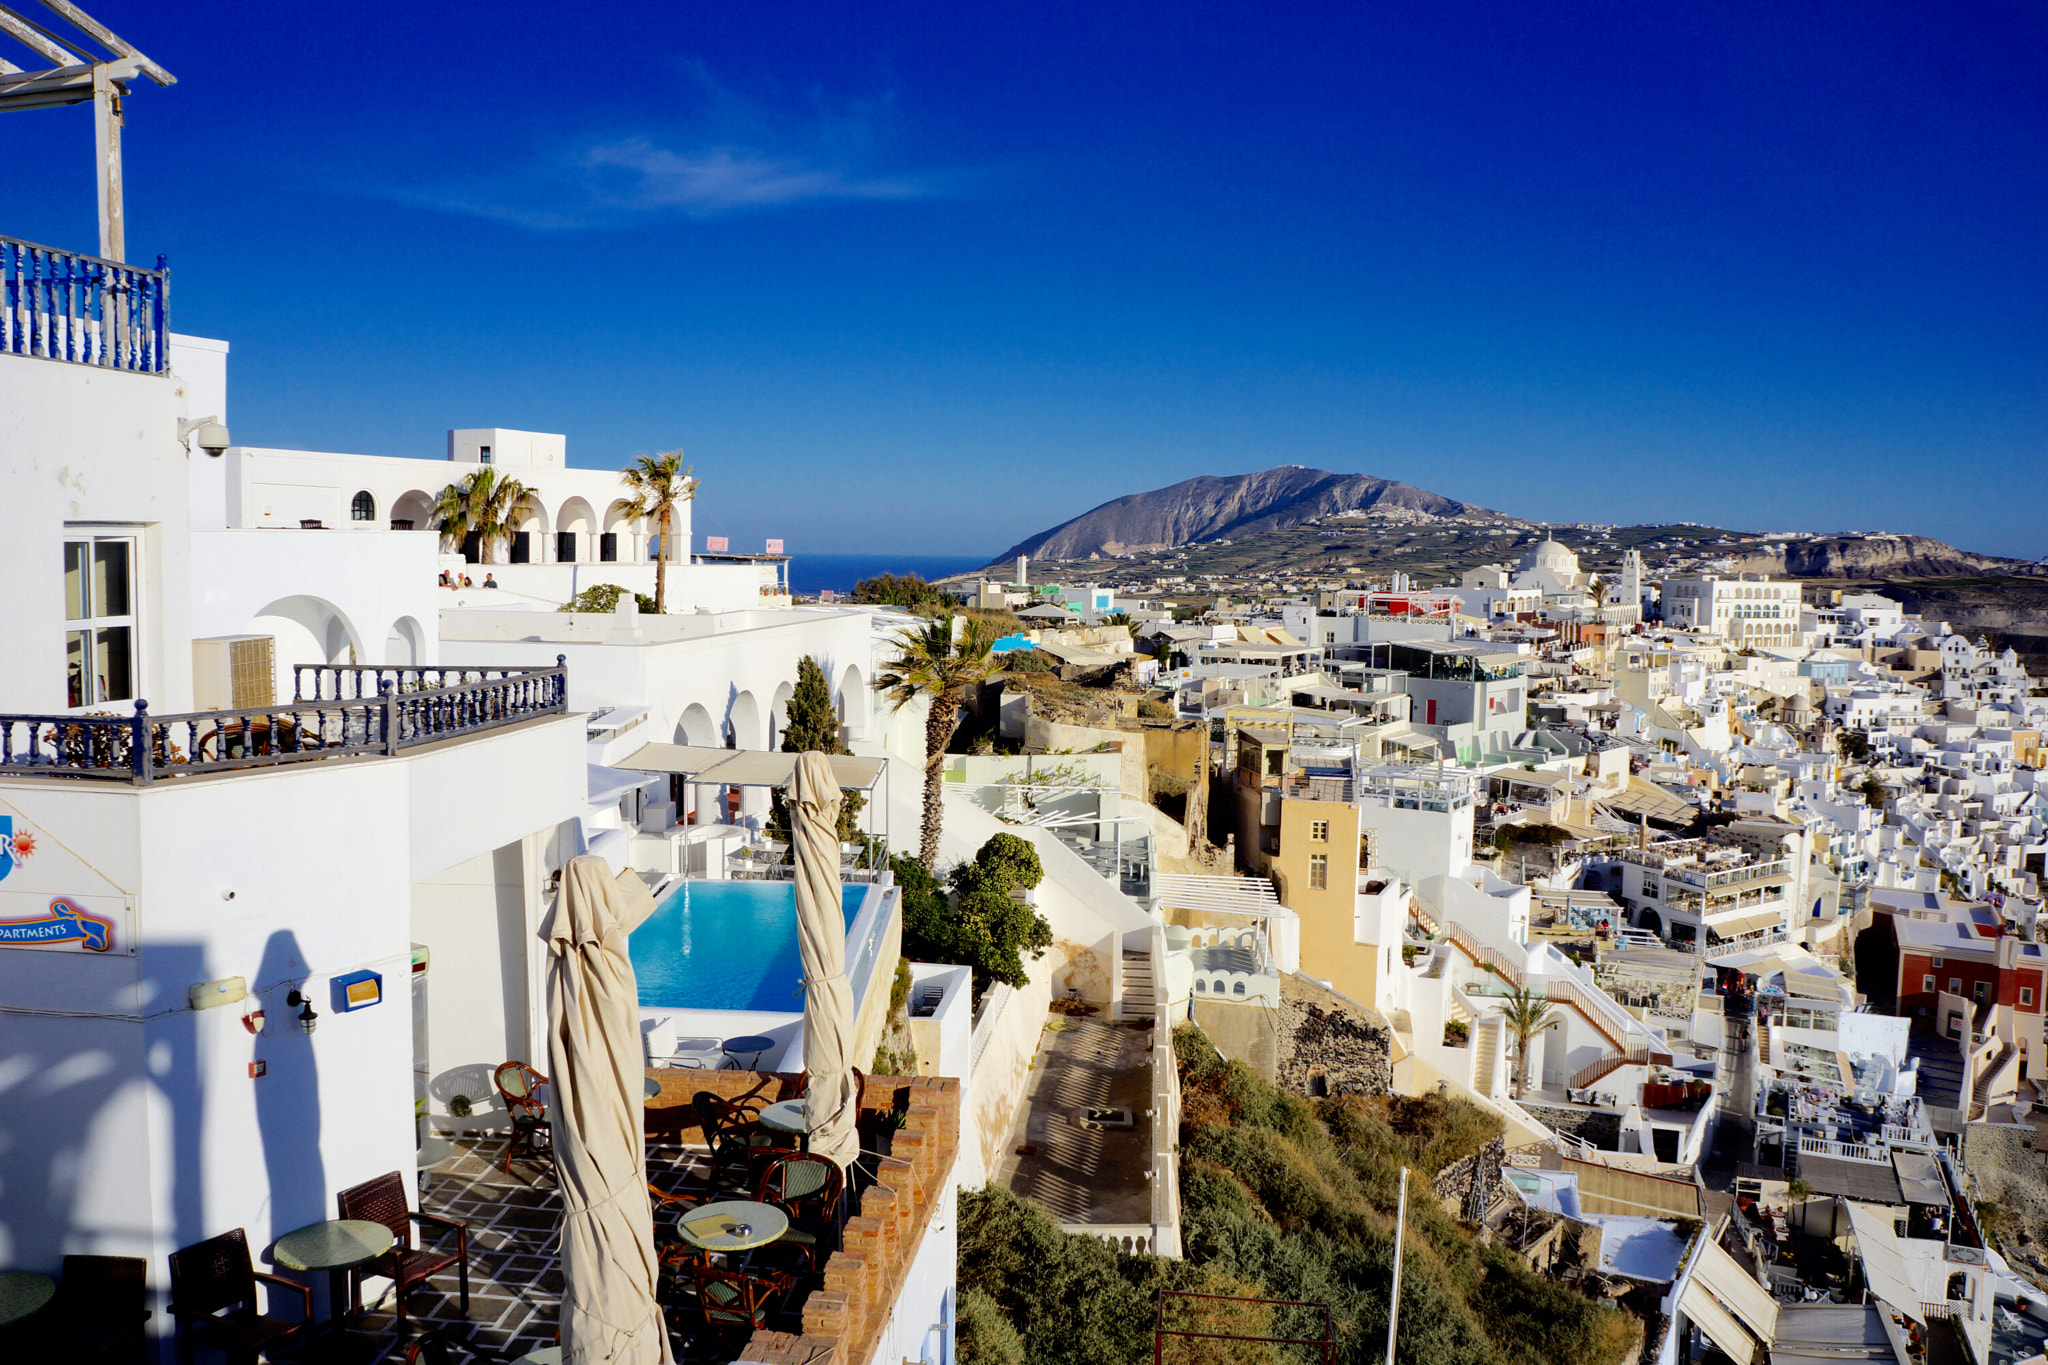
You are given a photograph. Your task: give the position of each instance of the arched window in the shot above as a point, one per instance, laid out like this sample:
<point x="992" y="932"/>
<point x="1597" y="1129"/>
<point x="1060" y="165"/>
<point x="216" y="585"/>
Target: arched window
<point x="364" y="508"/>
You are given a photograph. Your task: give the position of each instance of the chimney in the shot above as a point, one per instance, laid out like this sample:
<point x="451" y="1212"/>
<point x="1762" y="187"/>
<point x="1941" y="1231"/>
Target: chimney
<point x="1021" y="579"/>
<point x="1643" y="833"/>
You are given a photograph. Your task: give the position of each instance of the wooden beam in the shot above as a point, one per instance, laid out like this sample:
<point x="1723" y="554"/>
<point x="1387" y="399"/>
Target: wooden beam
<point x="31" y="36"/>
<point x="93" y="28"/>
<point x="106" y="98"/>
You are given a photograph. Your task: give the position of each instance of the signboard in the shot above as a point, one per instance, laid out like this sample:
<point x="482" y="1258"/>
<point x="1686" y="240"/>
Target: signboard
<point x="827" y="595"/>
<point x="52" y="901"/>
<point x="774" y="547"/>
<point x="715" y="545"/>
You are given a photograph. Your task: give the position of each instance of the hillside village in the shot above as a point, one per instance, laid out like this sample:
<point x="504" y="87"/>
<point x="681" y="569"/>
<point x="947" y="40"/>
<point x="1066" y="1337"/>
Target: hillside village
<point x="1717" y="890"/>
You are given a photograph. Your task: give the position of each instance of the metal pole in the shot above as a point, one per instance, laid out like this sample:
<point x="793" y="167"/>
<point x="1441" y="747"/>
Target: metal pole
<point x="1400" y="1227"/>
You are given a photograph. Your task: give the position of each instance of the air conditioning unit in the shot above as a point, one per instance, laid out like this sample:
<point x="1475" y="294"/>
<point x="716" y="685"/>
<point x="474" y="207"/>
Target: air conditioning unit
<point x="230" y="672"/>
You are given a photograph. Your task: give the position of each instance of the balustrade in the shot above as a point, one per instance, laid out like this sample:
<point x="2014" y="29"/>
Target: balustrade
<point x="63" y="305"/>
<point x="143" y="748"/>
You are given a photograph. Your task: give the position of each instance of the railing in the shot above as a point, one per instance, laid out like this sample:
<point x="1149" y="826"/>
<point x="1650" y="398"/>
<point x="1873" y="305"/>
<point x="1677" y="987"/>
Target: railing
<point x="992" y="1003"/>
<point x="1132" y="1239"/>
<point x="143" y="748"/>
<point x="1931" y="1311"/>
<point x="1612" y="1062"/>
<point x="62" y="305"/>
<point x="1872" y="1152"/>
<point x="1597" y="1007"/>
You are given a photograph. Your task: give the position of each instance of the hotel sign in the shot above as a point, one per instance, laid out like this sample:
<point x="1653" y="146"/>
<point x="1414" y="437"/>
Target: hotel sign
<point x="51" y="900"/>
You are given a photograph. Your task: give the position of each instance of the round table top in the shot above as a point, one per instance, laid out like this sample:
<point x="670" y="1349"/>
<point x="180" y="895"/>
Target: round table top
<point x="753" y="1042"/>
<point x="786" y="1116"/>
<point x="22" y="1292"/>
<point x="433" y="1151"/>
<point x="716" y="1227"/>
<point x="339" y="1245"/>
<point x="653" y="1087"/>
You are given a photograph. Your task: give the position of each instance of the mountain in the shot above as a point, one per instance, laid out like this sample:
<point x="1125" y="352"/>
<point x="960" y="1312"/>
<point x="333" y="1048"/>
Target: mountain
<point x="1888" y="556"/>
<point x="1238" y="505"/>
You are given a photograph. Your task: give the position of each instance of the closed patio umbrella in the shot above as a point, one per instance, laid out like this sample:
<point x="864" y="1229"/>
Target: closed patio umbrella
<point x="829" y="1095"/>
<point x="608" y="1267"/>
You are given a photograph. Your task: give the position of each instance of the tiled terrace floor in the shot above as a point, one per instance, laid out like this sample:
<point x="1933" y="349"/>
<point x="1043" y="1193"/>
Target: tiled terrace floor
<point x="515" y="1269"/>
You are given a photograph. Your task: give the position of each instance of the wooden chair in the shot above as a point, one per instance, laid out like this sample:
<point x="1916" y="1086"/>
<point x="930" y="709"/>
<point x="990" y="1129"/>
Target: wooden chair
<point x="519" y="1086"/>
<point x="812" y="1191"/>
<point x="213" y="1300"/>
<point x="383" y="1201"/>
<point x="99" y="1313"/>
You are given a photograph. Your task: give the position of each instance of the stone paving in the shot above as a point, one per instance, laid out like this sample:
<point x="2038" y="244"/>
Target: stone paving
<point x="1084" y="1174"/>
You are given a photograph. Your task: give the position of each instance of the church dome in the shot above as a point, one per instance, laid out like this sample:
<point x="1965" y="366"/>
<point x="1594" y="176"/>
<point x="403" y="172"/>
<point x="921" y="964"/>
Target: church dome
<point x="1548" y="554"/>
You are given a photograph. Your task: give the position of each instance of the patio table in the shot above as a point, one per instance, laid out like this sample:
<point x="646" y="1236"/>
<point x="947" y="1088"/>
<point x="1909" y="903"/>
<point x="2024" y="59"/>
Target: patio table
<point x="787" y="1116"/>
<point x="337" y="1247"/>
<point x="752" y="1044"/>
<point x="733" y="1225"/>
<point x="22" y="1292"/>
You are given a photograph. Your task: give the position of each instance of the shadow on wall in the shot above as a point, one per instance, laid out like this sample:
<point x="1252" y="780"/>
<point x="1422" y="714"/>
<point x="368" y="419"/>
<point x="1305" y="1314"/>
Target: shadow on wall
<point x="288" y="1102"/>
<point x="76" y="1175"/>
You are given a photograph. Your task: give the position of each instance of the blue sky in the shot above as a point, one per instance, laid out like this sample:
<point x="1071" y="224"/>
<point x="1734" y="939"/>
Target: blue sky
<point x="930" y="278"/>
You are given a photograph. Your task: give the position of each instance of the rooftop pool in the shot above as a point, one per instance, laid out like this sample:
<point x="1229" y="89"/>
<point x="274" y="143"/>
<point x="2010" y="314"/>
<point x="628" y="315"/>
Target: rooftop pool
<point x="717" y="945"/>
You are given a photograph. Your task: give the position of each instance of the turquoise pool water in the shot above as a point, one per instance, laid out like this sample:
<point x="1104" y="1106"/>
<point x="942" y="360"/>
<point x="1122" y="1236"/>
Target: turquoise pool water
<point x="724" y="946"/>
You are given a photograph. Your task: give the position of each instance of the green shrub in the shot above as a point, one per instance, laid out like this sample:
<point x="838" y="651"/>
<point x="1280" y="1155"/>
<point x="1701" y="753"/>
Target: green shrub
<point x="982" y="1335"/>
<point x="605" y="597"/>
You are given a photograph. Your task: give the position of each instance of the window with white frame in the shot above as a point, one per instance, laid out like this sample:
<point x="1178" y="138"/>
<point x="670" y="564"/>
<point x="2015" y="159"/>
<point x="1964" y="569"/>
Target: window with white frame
<point x="100" y="647"/>
<point x="1319" y="872"/>
<point x="2026" y="995"/>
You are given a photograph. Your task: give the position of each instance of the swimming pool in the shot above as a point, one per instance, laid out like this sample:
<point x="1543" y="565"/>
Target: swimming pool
<point x="725" y="946"/>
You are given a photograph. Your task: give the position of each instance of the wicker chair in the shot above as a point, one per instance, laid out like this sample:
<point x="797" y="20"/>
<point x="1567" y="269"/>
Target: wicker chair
<point x="383" y="1201"/>
<point x="213" y="1300"/>
<point x="734" y="1300"/>
<point x="812" y="1191"/>
<point x="735" y="1138"/>
<point x="519" y="1086"/>
<point x="99" y="1313"/>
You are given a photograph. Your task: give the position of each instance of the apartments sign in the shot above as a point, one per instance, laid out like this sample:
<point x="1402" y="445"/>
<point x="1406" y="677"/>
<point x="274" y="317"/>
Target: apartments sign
<point x="52" y="901"/>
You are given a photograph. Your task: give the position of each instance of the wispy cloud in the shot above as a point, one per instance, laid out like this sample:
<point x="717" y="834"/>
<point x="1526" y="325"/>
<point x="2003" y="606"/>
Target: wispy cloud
<point x="736" y="155"/>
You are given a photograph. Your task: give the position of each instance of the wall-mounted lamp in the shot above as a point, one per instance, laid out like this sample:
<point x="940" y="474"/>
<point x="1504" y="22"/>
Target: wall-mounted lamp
<point x="254" y="1020"/>
<point x="308" y="1019"/>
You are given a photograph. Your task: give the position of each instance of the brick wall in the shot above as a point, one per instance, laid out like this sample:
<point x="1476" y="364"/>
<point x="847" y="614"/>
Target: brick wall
<point x="843" y="1321"/>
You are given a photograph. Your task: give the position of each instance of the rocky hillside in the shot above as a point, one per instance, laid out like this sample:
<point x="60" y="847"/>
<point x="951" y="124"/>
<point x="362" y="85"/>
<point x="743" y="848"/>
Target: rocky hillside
<point x="1240" y="505"/>
<point x="1886" y="556"/>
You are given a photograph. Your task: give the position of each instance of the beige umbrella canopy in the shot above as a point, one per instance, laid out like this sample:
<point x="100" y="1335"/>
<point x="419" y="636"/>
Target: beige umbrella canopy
<point x="608" y="1264"/>
<point x="829" y="1095"/>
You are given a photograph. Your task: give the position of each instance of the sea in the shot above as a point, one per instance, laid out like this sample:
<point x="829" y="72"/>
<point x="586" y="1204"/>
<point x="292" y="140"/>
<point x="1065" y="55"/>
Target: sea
<point x="811" y="573"/>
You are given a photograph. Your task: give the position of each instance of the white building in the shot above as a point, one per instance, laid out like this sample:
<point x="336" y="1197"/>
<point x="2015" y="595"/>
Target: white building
<point x="1750" y="610"/>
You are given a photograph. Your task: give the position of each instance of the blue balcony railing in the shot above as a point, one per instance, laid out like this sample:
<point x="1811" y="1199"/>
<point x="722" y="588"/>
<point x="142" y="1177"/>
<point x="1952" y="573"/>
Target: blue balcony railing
<point x="409" y="707"/>
<point x="63" y="305"/>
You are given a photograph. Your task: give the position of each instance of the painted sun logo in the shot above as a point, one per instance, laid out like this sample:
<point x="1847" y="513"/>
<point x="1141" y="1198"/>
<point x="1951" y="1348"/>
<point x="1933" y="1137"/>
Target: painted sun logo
<point x="14" y="845"/>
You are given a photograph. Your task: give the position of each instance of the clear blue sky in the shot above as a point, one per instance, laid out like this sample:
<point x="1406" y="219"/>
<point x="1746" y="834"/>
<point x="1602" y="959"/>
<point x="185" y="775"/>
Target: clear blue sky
<point x="927" y="279"/>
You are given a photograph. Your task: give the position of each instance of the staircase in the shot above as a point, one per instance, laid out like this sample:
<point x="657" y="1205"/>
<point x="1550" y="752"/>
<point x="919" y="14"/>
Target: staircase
<point x="1141" y="1001"/>
<point x="1763" y="1040"/>
<point x="1989" y="1073"/>
<point x="1485" y="1052"/>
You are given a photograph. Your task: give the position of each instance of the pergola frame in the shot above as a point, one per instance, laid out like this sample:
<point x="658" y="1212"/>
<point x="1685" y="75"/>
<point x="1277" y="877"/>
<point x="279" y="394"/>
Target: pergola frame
<point x="90" y="63"/>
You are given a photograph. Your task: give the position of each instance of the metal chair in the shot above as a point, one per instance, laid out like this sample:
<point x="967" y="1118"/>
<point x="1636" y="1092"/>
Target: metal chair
<point x="733" y="1300"/>
<point x="383" y="1201"/>
<point x="99" y="1313"/>
<point x="519" y="1086"/>
<point x="213" y="1300"/>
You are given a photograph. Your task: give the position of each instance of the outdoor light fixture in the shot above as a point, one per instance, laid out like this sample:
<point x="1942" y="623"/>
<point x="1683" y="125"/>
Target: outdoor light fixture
<point x="308" y="1019"/>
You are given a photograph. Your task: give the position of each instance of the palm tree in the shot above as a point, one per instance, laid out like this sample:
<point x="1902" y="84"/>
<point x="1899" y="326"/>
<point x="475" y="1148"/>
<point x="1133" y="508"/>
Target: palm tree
<point x="484" y="505"/>
<point x="658" y="483"/>
<point x="930" y="663"/>
<point x="1526" y="1014"/>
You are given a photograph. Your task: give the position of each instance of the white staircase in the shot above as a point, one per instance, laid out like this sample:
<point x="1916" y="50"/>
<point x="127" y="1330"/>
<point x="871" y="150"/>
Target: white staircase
<point x="1141" y="1000"/>
<point x="1485" y="1055"/>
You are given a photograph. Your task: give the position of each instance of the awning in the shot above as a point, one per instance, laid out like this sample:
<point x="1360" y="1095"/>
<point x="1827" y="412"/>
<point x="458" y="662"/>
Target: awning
<point x="609" y="784"/>
<point x="1723" y="1298"/>
<point x="746" y="767"/>
<point x="1739" y="925"/>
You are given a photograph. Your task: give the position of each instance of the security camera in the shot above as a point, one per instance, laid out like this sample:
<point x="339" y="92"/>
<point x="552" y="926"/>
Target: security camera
<point x="212" y="436"/>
